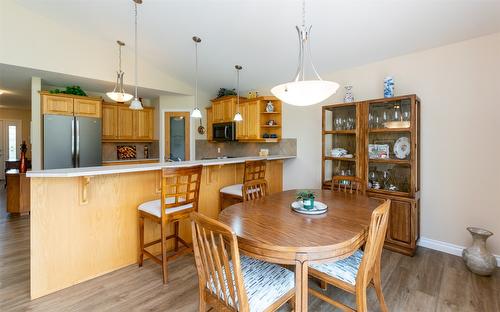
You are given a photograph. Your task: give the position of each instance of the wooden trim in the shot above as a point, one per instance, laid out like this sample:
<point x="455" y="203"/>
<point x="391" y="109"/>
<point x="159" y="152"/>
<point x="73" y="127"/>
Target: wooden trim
<point x="98" y="98"/>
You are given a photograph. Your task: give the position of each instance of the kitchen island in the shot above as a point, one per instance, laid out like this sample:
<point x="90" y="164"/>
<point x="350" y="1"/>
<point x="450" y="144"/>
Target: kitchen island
<point x="84" y="220"/>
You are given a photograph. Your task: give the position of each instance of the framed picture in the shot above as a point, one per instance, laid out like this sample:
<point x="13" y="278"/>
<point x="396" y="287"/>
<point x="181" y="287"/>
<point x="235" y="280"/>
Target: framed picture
<point x="378" y="151"/>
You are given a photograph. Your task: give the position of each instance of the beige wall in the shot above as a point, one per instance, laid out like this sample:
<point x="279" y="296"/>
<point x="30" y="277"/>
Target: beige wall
<point x="20" y="114"/>
<point x="459" y="85"/>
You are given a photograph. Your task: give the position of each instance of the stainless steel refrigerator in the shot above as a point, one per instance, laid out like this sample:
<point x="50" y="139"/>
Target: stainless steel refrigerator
<point x="71" y="142"/>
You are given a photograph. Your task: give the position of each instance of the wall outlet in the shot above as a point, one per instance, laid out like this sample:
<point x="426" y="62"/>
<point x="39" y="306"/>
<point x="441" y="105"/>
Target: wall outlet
<point x="218" y="150"/>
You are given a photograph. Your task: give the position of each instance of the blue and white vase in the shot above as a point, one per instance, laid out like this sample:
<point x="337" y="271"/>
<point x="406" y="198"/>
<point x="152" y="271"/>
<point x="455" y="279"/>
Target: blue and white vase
<point x="348" y="98"/>
<point x="388" y="87"/>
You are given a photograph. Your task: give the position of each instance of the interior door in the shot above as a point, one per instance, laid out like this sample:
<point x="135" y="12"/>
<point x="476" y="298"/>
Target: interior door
<point x="177" y="135"/>
<point x="2" y="151"/>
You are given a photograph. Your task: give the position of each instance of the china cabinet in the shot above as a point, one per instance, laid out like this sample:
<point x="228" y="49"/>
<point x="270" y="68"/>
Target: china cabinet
<point x="379" y="142"/>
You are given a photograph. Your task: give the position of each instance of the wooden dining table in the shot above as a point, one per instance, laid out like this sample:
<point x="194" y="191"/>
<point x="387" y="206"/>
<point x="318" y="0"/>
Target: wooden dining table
<point x="268" y="229"/>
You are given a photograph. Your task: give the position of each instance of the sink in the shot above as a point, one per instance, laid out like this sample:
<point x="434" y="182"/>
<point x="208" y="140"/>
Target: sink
<point x="220" y="157"/>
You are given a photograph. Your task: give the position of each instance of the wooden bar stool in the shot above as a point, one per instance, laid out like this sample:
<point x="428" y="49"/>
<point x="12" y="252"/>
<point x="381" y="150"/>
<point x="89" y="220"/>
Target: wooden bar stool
<point x="180" y="190"/>
<point x="254" y="170"/>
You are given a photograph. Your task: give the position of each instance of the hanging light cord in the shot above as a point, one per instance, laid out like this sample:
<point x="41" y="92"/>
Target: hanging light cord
<point x="303" y="13"/>
<point x="119" y="58"/>
<point x="196" y="75"/>
<point x="135" y="43"/>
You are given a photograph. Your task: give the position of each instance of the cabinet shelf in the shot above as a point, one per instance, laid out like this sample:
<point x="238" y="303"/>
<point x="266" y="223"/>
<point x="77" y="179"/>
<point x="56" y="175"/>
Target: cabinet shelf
<point x="387" y="192"/>
<point x="339" y="132"/>
<point x="390" y="161"/>
<point x="270" y="112"/>
<point x="379" y="130"/>
<point x="340" y="158"/>
<point x="270" y="126"/>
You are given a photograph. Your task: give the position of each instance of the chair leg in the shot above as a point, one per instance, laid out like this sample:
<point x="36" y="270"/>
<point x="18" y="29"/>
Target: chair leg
<point x="164" y="252"/>
<point x="221" y="201"/>
<point x="141" y="241"/>
<point x="176" y="233"/>
<point x="323" y="285"/>
<point x="202" y="305"/>
<point x="361" y="304"/>
<point x="377" y="284"/>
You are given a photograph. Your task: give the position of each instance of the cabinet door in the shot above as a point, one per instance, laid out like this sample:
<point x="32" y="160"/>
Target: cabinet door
<point x="209" y="124"/>
<point x="143" y="124"/>
<point x="400" y="222"/>
<point x="87" y="108"/>
<point x="109" y="122"/>
<point x="125" y="123"/>
<point x="218" y="111"/>
<point x="57" y="105"/>
<point x="242" y="126"/>
<point x="253" y="120"/>
<point x="229" y="109"/>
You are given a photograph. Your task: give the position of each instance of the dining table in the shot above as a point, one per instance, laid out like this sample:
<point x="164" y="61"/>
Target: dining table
<point x="270" y="230"/>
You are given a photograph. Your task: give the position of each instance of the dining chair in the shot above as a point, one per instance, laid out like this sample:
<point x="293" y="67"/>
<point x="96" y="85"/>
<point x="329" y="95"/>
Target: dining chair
<point x="362" y="269"/>
<point x="255" y="189"/>
<point x="348" y="184"/>
<point x="180" y="188"/>
<point x="229" y="281"/>
<point x="254" y="170"/>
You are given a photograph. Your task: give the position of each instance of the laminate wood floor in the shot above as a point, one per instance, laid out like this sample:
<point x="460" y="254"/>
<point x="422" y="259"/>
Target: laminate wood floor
<point x="430" y="281"/>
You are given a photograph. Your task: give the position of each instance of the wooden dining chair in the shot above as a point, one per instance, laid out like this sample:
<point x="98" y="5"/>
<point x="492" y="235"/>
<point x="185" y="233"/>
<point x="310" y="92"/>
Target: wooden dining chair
<point x="254" y="170"/>
<point x="348" y="184"/>
<point x="180" y="189"/>
<point x="229" y="281"/>
<point x="362" y="269"/>
<point x="255" y="189"/>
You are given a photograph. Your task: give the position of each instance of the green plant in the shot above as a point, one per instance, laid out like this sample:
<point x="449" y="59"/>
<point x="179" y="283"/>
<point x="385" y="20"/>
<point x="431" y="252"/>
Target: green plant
<point x="75" y="90"/>
<point x="305" y="194"/>
<point x="223" y="92"/>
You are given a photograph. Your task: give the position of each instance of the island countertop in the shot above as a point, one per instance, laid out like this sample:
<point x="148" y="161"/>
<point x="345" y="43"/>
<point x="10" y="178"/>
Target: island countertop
<point x="103" y="170"/>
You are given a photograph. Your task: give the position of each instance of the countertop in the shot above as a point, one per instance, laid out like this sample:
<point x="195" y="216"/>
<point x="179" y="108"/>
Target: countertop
<point x="102" y="170"/>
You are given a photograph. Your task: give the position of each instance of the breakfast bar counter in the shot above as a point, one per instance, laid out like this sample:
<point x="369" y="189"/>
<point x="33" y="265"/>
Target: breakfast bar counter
<point x="84" y="221"/>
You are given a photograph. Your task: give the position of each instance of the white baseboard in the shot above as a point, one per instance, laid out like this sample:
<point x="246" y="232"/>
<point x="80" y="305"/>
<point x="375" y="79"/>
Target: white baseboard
<point x="445" y="247"/>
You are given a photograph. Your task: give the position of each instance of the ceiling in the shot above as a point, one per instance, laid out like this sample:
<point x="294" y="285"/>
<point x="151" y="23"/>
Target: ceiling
<point x="260" y="34"/>
<point x="16" y="83"/>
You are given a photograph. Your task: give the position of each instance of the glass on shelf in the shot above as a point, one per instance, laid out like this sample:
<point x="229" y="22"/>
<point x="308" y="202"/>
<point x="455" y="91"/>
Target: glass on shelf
<point x="390" y="114"/>
<point x="344" y="118"/>
<point x="389" y="177"/>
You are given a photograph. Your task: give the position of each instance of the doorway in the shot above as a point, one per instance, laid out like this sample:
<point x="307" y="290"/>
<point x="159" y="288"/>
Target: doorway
<point x="177" y="135"/>
<point x="10" y="141"/>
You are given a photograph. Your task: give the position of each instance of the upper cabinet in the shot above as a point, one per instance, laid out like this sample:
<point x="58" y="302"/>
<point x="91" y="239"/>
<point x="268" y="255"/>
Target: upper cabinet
<point x="71" y="105"/>
<point x="262" y="118"/>
<point x="120" y="123"/>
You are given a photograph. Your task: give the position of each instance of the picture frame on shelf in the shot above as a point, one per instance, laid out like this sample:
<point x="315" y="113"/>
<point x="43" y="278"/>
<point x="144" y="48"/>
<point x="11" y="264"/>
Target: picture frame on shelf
<point x="378" y="151"/>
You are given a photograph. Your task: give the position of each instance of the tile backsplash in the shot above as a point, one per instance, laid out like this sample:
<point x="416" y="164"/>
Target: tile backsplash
<point x="207" y="149"/>
<point x="109" y="150"/>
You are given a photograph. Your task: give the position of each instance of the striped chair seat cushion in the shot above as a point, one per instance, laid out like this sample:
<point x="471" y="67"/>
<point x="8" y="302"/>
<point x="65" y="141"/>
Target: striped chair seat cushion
<point x="264" y="282"/>
<point x="345" y="270"/>
<point x="236" y="189"/>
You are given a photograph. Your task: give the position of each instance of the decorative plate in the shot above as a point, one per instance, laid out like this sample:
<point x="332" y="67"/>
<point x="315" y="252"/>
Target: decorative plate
<point x="402" y="148"/>
<point x="319" y="208"/>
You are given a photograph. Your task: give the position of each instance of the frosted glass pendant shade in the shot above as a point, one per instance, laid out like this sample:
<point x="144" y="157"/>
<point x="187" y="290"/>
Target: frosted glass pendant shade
<point x="305" y="92"/>
<point x="119" y="96"/>
<point x="196" y="113"/>
<point x="238" y="117"/>
<point x="136" y="105"/>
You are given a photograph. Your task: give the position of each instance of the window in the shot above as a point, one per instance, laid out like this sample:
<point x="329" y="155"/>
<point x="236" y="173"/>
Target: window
<point x="12" y="143"/>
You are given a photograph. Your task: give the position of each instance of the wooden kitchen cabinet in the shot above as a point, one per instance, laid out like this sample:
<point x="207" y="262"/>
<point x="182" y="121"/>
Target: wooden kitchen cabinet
<point x="224" y="108"/>
<point x="209" y="123"/>
<point x="71" y="105"/>
<point x="57" y="105"/>
<point x="252" y="120"/>
<point x="242" y="126"/>
<point x="87" y="108"/>
<point x="143" y="124"/>
<point x="121" y="124"/>
<point x="109" y="122"/>
<point x="218" y="111"/>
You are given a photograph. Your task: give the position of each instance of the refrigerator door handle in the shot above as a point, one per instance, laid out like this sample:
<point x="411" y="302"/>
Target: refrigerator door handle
<point x="77" y="143"/>
<point x="73" y="156"/>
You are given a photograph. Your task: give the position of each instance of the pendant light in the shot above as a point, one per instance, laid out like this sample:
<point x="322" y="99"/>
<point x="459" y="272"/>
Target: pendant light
<point x="196" y="111"/>
<point x="237" y="116"/>
<point x="118" y="94"/>
<point x="302" y="92"/>
<point x="135" y="104"/>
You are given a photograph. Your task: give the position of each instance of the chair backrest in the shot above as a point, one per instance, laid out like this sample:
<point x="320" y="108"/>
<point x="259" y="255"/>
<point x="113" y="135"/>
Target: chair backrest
<point x="254" y="189"/>
<point x="374" y="243"/>
<point x="348" y="184"/>
<point x="180" y="186"/>
<point x="254" y="170"/>
<point x="216" y="251"/>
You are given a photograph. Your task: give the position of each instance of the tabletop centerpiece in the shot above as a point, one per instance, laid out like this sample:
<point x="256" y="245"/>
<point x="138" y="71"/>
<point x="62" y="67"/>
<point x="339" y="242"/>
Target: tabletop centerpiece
<point x="307" y="198"/>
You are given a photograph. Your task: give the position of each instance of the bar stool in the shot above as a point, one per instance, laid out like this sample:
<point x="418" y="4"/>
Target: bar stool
<point x="180" y="189"/>
<point x="254" y="170"/>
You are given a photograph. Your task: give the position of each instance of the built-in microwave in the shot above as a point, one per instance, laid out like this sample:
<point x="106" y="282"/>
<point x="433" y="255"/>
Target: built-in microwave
<point x="224" y="131"/>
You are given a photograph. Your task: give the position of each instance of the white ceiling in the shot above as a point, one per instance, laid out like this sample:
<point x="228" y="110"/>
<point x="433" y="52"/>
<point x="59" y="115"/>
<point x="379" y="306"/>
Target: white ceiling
<point x="260" y="34"/>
